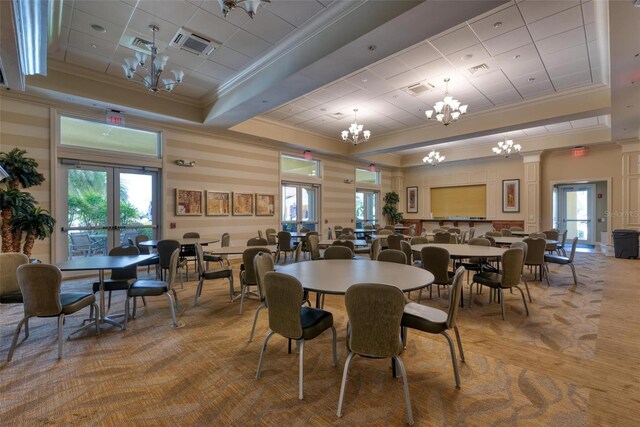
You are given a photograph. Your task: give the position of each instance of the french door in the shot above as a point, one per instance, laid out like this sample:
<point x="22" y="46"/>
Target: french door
<point x="366" y="208"/>
<point x="576" y="209"/>
<point x="300" y="206"/>
<point x="104" y="207"/>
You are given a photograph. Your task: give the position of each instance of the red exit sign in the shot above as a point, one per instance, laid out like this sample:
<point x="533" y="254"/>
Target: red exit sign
<point x="115" y="118"/>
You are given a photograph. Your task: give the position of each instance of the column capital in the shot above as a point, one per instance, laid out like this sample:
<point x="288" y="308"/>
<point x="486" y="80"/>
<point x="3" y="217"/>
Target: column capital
<point x="531" y="157"/>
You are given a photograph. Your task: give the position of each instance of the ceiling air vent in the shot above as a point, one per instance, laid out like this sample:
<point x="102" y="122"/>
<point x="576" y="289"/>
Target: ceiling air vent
<point x="418" y="88"/>
<point x="194" y="43"/>
<point x="477" y="68"/>
<point x="337" y="115"/>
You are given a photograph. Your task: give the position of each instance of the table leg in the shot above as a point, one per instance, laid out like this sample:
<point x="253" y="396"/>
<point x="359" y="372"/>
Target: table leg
<point x="103" y="317"/>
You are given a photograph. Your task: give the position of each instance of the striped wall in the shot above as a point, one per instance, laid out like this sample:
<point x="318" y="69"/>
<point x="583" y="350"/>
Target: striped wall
<point x="26" y="125"/>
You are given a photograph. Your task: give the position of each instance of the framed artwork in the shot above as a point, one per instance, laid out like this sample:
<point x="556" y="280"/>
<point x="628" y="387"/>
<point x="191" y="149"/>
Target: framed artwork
<point x="188" y="202"/>
<point x="511" y="195"/>
<point x="218" y="203"/>
<point x="243" y="203"/>
<point x="412" y="199"/>
<point x="265" y="204"/>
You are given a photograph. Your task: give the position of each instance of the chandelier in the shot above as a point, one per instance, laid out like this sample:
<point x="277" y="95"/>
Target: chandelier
<point x="151" y="76"/>
<point x="449" y="110"/>
<point x="433" y="158"/>
<point x="249" y="6"/>
<point x="353" y="133"/>
<point x="506" y="147"/>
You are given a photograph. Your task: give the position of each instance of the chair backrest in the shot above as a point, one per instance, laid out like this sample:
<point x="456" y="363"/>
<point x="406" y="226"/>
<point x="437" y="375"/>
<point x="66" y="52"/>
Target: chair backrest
<point x="346" y="243"/>
<point x="225" y="240"/>
<point x="298" y="253"/>
<point x="517" y="229"/>
<point x="144" y="250"/>
<point x="40" y="287"/>
<point x="247" y="260"/>
<point x="512" y="267"/>
<point x="480" y="241"/>
<point x="506" y="232"/>
<point x="337" y="229"/>
<point x="390" y="227"/>
<point x="442" y="237"/>
<point x="454" y="230"/>
<point x="126" y="273"/>
<point x="436" y="261"/>
<point x="271" y="236"/>
<point x="165" y="249"/>
<point x="392" y="255"/>
<point x="419" y="240"/>
<point x="369" y="227"/>
<point x="465" y="237"/>
<point x="262" y="264"/>
<point x="472" y="232"/>
<point x="9" y="263"/>
<point x="346" y="236"/>
<point x="491" y="240"/>
<point x="538" y="235"/>
<point x="535" y="250"/>
<point x="284" y="294"/>
<point x="393" y="241"/>
<point x="173" y="267"/>
<point x="523" y="246"/>
<point x="385" y="232"/>
<point x="406" y="248"/>
<point x="200" y="257"/>
<point x="552" y="234"/>
<point x="191" y="235"/>
<point x="80" y="240"/>
<point x="349" y="230"/>
<point x="411" y="232"/>
<point x="574" y="242"/>
<point x="314" y="246"/>
<point x="493" y="234"/>
<point x="376" y="245"/>
<point x="563" y="241"/>
<point x="257" y="241"/>
<point x="375" y="311"/>
<point x="455" y="293"/>
<point x="437" y="230"/>
<point x="260" y="235"/>
<point x="284" y="240"/>
<point x="338" y="252"/>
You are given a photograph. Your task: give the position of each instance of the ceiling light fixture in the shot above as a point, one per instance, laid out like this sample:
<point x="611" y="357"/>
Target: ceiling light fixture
<point x="249" y="6"/>
<point x="353" y="133"/>
<point x="186" y="163"/>
<point x="433" y="158"/>
<point x="151" y="78"/>
<point x="372" y="167"/>
<point x="449" y="110"/>
<point x="506" y="147"/>
<point x="306" y="154"/>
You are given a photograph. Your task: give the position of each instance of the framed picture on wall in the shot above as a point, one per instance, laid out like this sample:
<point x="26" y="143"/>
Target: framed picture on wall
<point x="412" y="199"/>
<point x="511" y="195"/>
<point x="242" y="204"/>
<point x="188" y="202"/>
<point x="218" y="203"/>
<point x="265" y="204"/>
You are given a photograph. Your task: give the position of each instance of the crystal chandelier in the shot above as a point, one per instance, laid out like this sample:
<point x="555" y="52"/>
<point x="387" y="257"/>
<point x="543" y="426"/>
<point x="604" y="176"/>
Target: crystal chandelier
<point x="433" y="158"/>
<point x="249" y="6"/>
<point x="506" y="147"/>
<point x="151" y="77"/>
<point x="353" y="133"/>
<point x="449" y="110"/>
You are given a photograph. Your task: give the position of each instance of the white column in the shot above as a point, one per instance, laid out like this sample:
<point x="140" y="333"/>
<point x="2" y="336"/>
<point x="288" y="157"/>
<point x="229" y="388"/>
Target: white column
<point x="630" y="215"/>
<point x="530" y="197"/>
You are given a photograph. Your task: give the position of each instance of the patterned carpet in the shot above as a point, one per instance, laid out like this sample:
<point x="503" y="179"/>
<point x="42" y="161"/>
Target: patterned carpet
<point x="522" y="371"/>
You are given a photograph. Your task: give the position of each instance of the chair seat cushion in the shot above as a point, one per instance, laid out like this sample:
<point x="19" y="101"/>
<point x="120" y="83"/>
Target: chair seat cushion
<point x="473" y="266"/>
<point x="493" y="280"/>
<point x="113" y="285"/>
<point x="13" y="297"/>
<point x="218" y="273"/>
<point x="557" y="259"/>
<point x="74" y="301"/>
<point x="212" y="258"/>
<point x="314" y="322"/>
<point x="423" y="318"/>
<point x="143" y="288"/>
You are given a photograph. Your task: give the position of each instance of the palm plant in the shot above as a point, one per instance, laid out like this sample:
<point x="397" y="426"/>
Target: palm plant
<point x="12" y="200"/>
<point x="37" y="224"/>
<point x="22" y="170"/>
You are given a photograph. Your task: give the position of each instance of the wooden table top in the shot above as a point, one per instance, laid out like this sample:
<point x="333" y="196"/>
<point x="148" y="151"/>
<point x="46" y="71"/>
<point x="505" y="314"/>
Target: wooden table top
<point x="464" y="250"/>
<point x="102" y="262"/>
<point x="238" y="250"/>
<point x="183" y="241"/>
<point x="335" y="276"/>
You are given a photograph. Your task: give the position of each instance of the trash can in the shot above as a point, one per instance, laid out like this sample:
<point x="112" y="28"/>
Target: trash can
<point x="625" y="243"/>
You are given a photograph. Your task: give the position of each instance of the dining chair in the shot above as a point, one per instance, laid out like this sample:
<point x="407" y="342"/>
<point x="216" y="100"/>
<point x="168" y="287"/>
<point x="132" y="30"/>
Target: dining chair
<point x="206" y="274"/>
<point x="225" y="241"/>
<point x="284" y="245"/>
<point x="436" y="261"/>
<point x="260" y="235"/>
<point x="144" y="250"/>
<point x="418" y="240"/>
<point x="505" y="232"/>
<point x="563" y="260"/>
<point x="290" y="320"/>
<point x="152" y="288"/>
<point x="552" y="235"/>
<point x="270" y="234"/>
<point x="305" y="242"/>
<point x="525" y="249"/>
<point x="392" y="255"/>
<point x="297" y="253"/>
<point x="338" y="252"/>
<point x="375" y="313"/>
<point x="188" y="252"/>
<point x="535" y="255"/>
<point x="406" y="248"/>
<point x="509" y="278"/>
<point x="493" y="234"/>
<point x="304" y="230"/>
<point x="337" y="230"/>
<point x="348" y="230"/>
<point x="346" y="243"/>
<point x="121" y="278"/>
<point x="40" y="288"/>
<point x="393" y="241"/>
<point x="257" y="241"/>
<point x="454" y="230"/>
<point x="248" y="273"/>
<point x="165" y="249"/>
<point x="82" y="245"/>
<point x="262" y="264"/>
<point x="346" y="236"/>
<point x="9" y="287"/>
<point x="561" y="244"/>
<point x="374" y="250"/>
<point x="442" y="237"/>
<point x="538" y="235"/>
<point x="390" y="228"/>
<point x="314" y="246"/>
<point x="434" y="321"/>
<point x="475" y="263"/>
<point x="516" y="229"/>
<point x="472" y="232"/>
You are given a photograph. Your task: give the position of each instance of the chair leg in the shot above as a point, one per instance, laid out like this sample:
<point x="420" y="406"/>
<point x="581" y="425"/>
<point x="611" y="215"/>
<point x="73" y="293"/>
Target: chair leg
<point x="526" y="286"/>
<point x="173" y="310"/>
<point x="198" y="291"/>
<point x="301" y="369"/>
<point x="524" y="300"/>
<point x="343" y="385"/>
<point x="26" y="328"/>
<point x="126" y="312"/>
<point x="471" y="294"/>
<point x="264" y="349"/>
<point x="15" y="338"/>
<point x="255" y="320"/>
<point x="109" y="302"/>
<point x="455" y="328"/>
<point x="175" y="296"/>
<point x="452" y="349"/>
<point x="232" y="288"/>
<point x="94" y="305"/>
<point x="135" y="306"/>
<point x="544" y="269"/>
<point x="575" y="277"/>
<point x="501" y="301"/>
<point x="335" y="341"/>
<point x="60" y="325"/>
<point x="243" y="288"/>
<point x="405" y="387"/>
<point x="420" y="294"/>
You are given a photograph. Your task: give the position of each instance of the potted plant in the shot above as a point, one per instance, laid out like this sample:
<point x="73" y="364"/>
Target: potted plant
<point x="390" y="209"/>
<point x="12" y="201"/>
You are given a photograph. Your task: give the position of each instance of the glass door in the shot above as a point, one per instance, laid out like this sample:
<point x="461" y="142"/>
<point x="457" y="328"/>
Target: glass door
<point x="366" y="208"/>
<point x="105" y="207"/>
<point x="576" y="205"/>
<point x="299" y="206"/>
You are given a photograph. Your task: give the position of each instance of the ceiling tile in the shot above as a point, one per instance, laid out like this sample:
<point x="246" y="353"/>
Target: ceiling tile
<point x="405" y="79"/>
<point x="535" y="90"/>
<point x="370" y="82"/>
<point x="509" y="20"/>
<point x="509" y="41"/>
<point x="389" y="68"/>
<point x="116" y="12"/>
<point x="177" y="12"/>
<point x="568" y="60"/>
<point x="559" y="127"/>
<point x="185" y="59"/>
<point x="455" y="40"/>
<point x="229" y="58"/>
<point x="209" y="25"/>
<point x="290" y="110"/>
<point x="341" y="88"/>
<point x="237" y="17"/>
<point x="86" y="60"/>
<point x="419" y="55"/>
<point x="567" y="81"/>
<point x="505" y="97"/>
<point x="304" y="103"/>
<point x="215" y="70"/>
<point x="581" y="123"/>
<point x="84" y="42"/>
<point x="435" y="69"/>
<point x="492" y="82"/>
<point x="555" y="24"/>
<point x="561" y="41"/>
<point x="247" y="44"/>
<point x="275" y="115"/>
<point x="82" y="22"/>
<point x="295" y="12"/>
<point x="141" y="20"/>
<point x="268" y="27"/>
<point x="538" y="130"/>
<point x="534" y="10"/>
<point x="469" y="57"/>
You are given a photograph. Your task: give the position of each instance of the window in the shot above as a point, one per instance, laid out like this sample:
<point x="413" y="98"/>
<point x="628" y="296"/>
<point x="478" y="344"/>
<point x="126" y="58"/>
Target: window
<point x="365" y="176"/>
<point x="83" y="133"/>
<point x="300" y="206"/>
<point x="366" y="208"/>
<point x="299" y="166"/>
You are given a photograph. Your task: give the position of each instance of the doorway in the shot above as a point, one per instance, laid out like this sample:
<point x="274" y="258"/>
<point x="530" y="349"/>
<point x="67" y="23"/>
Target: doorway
<point x="300" y="206"/>
<point x="576" y="211"/>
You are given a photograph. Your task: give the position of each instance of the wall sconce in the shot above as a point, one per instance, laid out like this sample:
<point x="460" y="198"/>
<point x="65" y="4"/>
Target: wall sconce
<point x="186" y="163"/>
<point x="372" y="167"/>
<point x="307" y="155"/>
<point x="348" y="181"/>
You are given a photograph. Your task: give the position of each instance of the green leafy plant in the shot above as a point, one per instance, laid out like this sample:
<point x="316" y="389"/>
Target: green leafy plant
<point x="22" y="170"/>
<point x="390" y="208"/>
<point x="37" y="224"/>
<point x="12" y="202"/>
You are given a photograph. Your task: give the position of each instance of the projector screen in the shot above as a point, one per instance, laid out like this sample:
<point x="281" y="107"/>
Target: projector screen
<point x="464" y="201"/>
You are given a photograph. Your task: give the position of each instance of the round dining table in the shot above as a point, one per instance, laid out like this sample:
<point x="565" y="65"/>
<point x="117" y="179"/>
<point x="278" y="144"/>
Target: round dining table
<point x="335" y="276"/>
<point x="463" y="250"/>
<point x="507" y="240"/>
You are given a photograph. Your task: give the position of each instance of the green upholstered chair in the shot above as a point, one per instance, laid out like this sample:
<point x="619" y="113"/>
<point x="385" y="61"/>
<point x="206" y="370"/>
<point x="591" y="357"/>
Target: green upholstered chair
<point x="216" y="273"/>
<point x="563" y="260"/>
<point x="442" y="237"/>
<point x="392" y="255"/>
<point x="284" y="245"/>
<point x="121" y="278"/>
<point x="248" y="273"/>
<point x="258" y="241"/>
<point x="535" y="255"/>
<point x="262" y="264"/>
<point x="374" y="250"/>
<point x="338" y="252"/>
<point x="436" y="261"/>
<point x="225" y="241"/>
<point x="393" y="241"/>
